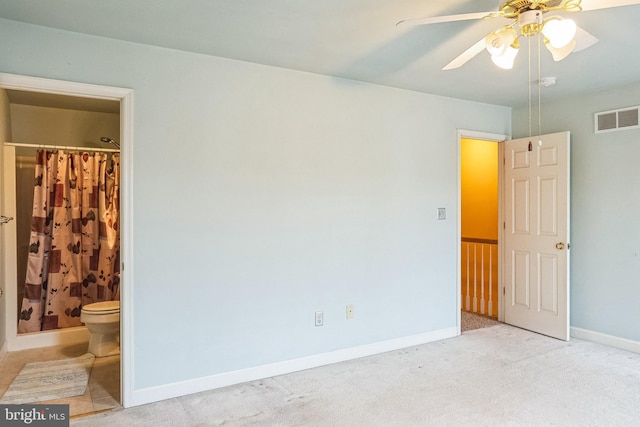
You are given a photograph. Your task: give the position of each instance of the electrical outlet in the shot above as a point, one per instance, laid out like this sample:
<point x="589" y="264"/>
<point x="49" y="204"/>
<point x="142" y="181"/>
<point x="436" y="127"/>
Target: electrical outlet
<point x="442" y="213"/>
<point x="319" y="318"/>
<point x="350" y="311"/>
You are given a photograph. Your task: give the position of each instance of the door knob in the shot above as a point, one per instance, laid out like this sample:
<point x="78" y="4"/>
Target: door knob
<point x="559" y="245"/>
<point x="5" y="219"/>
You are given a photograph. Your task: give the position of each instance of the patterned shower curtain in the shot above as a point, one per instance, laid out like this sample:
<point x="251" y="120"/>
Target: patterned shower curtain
<point x="74" y="250"/>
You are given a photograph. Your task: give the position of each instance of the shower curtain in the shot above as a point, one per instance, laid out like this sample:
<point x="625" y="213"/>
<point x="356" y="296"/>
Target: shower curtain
<point x="74" y="248"/>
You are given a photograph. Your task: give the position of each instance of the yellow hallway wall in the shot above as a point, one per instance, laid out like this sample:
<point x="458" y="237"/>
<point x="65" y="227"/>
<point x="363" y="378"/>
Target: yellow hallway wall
<point x="479" y="189"/>
<point x="479" y="210"/>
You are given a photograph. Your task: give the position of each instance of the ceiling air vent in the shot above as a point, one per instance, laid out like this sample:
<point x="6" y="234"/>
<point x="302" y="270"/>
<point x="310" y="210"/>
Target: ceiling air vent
<point x="624" y="118"/>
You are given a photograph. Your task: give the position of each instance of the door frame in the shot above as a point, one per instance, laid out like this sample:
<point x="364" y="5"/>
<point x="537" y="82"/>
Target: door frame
<point x="125" y="97"/>
<point x="499" y="139"/>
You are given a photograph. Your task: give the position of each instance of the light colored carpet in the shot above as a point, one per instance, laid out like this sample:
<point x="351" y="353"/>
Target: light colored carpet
<point x="496" y="376"/>
<point x="56" y="379"/>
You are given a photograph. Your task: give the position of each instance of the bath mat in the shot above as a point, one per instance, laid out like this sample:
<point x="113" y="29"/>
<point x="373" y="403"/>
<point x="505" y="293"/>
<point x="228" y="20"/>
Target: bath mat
<point x="57" y="379"/>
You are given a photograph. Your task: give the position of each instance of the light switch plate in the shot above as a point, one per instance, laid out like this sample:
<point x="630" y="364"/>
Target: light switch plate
<point x="442" y="213"/>
<point x="319" y="318"/>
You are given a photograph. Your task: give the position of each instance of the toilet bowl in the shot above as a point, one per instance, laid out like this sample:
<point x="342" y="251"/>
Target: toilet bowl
<point x="103" y="322"/>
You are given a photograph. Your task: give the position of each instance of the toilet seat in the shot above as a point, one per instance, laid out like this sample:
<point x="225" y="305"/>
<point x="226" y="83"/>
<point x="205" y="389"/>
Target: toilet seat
<point x="104" y="307"/>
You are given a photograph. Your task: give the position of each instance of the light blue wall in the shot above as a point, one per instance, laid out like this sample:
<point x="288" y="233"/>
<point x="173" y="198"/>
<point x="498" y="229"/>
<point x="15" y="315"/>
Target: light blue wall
<point x="262" y="195"/>
<point x="605" y="210"/>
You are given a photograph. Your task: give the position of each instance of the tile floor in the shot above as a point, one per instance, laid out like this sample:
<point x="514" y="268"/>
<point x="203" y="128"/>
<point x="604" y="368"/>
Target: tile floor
<point x="103" y="390"/>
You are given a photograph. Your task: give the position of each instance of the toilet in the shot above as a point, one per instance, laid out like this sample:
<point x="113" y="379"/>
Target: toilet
<point x="103" y="322"/>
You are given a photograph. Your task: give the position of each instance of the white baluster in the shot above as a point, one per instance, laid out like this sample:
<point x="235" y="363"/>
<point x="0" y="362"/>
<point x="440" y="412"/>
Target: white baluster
<point x="482" y="299"/>
<point x="475" y="279"/>
<point x="491" y="281"/>
<point x="482" y="302"/>
<point x="468" y="296"/>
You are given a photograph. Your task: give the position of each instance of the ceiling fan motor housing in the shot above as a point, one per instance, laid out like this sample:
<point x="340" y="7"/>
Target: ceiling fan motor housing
<point x="514" y="8"/>
<point x="530" y="22"/>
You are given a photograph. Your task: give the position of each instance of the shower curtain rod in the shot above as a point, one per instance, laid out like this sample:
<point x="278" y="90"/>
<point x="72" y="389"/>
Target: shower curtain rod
<point x="61" y="147"/>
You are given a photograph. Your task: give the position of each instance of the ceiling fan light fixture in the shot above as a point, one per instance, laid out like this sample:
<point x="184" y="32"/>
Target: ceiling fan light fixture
<point x="499" y="41"/>
<point x="560" y="53"/>
<point x="506" y="60"/>
<point x="560" y="32"/>
<point x="494" y="44"/>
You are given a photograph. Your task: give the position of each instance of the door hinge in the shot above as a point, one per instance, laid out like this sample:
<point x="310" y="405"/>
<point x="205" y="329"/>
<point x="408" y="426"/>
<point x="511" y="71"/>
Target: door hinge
<point x="504" y="290"/>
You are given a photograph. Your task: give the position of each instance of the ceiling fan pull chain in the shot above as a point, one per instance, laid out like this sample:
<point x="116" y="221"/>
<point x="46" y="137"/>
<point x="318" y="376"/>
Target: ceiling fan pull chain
<point x="539" y="92"/>
<point x="529" y="83"/>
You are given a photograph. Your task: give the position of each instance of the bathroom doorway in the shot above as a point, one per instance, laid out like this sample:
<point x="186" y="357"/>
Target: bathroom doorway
<point x="65" y="114"/>
<point x="85" y="268"/>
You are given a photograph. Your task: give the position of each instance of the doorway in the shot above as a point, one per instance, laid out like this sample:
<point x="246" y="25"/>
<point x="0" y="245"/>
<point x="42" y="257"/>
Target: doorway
<point x="43" y="92"/>
<point x="533" y="229"/>
<point x="480" y="213"/>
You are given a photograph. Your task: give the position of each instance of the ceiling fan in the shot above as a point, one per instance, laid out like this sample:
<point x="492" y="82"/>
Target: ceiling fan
<point x="561" y="36"/>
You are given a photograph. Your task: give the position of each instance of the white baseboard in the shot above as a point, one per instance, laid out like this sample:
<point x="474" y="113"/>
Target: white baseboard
<point x="168" y="391"/>
<point x="609" y="340"/>
<point x="66" y="336"/>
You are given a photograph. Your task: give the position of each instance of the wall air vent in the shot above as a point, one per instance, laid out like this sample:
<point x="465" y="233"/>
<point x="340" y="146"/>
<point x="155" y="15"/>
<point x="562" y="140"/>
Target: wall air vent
<point x="624" y="118"/>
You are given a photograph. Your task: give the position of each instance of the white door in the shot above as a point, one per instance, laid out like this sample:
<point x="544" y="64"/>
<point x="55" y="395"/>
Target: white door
<point x="536" y="234"/>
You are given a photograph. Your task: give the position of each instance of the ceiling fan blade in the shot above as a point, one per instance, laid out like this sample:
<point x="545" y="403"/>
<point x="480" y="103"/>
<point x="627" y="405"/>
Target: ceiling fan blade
<point x="465" y="56"/>
<point x="604" y="4"/>
<point x="583" y="40"/>
<point x="446" y="18"/>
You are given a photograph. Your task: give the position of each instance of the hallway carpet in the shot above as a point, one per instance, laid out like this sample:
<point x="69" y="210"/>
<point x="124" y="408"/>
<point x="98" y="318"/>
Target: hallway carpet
<point x="470" y="321"/>
<point x="496" y="376"/>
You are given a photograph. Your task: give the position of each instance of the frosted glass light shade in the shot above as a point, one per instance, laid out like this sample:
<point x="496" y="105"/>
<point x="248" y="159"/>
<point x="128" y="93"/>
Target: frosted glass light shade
<point x="560" y="53"/>
<point x="506" y="59"/>
<point x="560" y="32"/>
<point x="494" y="44"/>
<point x="499" y="41"/>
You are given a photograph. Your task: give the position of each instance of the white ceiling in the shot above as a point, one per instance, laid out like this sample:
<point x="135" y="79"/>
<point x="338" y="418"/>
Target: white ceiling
<point x="356" y="39"/>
